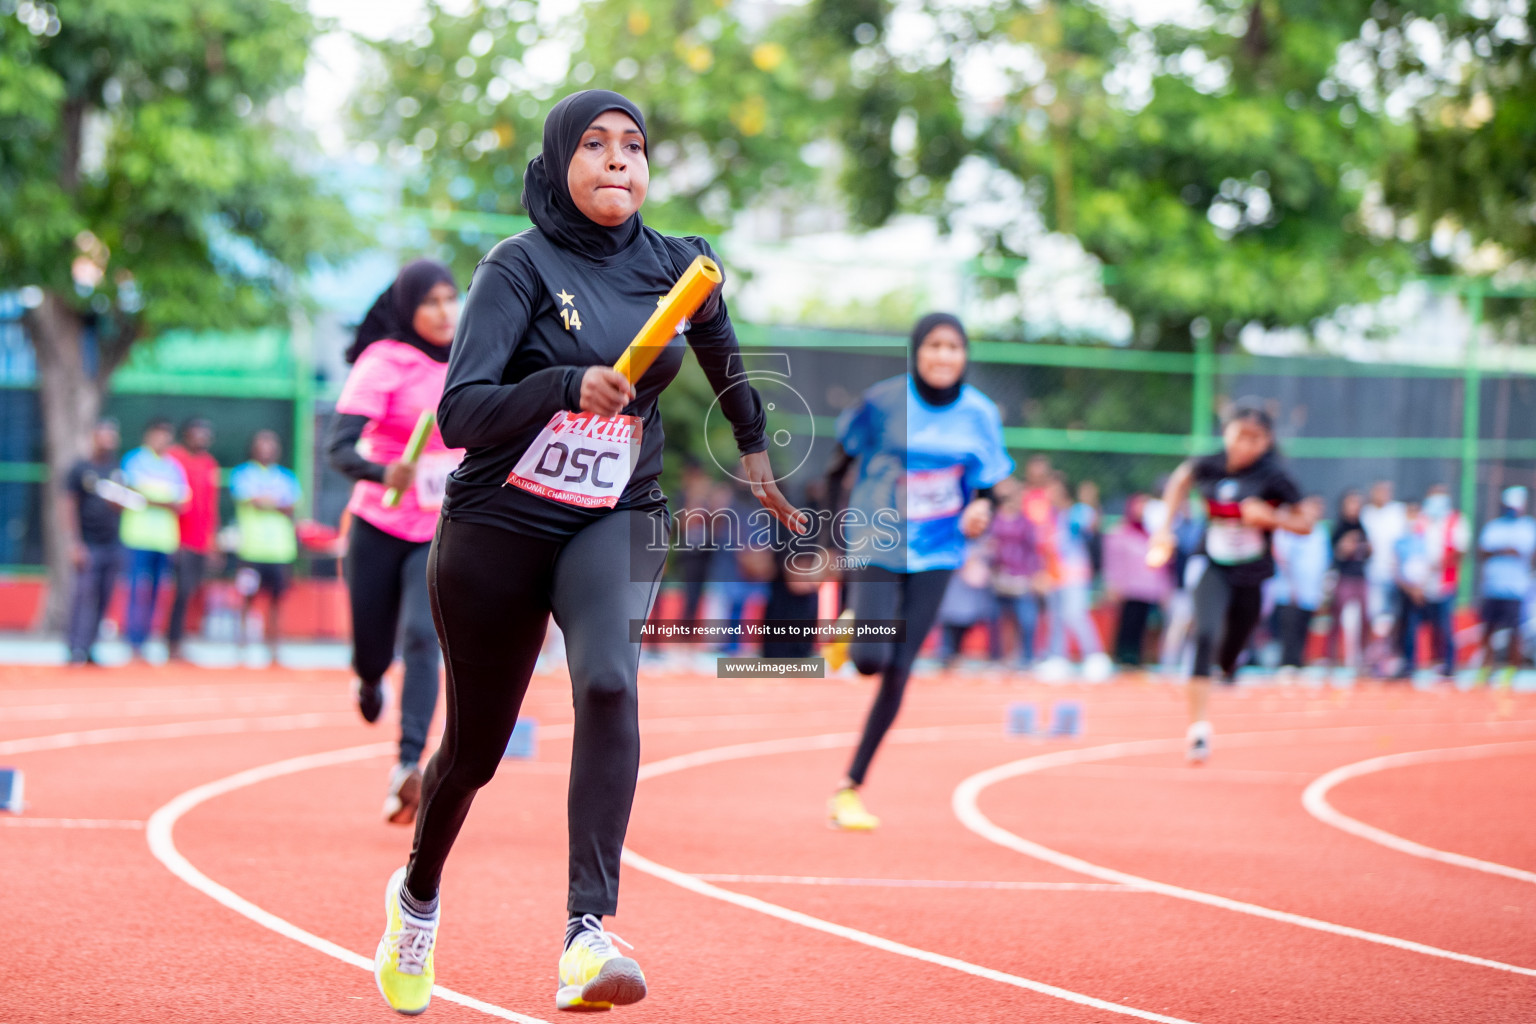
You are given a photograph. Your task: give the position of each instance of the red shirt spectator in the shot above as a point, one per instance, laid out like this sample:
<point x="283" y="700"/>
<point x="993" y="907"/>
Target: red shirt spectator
<point x="200" y="516"/>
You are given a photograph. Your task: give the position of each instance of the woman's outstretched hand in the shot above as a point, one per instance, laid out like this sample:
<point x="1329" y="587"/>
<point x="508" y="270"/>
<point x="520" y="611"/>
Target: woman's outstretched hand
<point x="759" y="475"/>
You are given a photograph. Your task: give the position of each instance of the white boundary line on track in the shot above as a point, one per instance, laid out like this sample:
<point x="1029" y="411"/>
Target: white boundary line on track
<point x="161" y="826"/>
<point x="694" y="884"/>
<point x="130" y="824"/>
<point x="965" y="804"/>
<point x="173" y="730"/>
<point x="914" y="883"/>
<point x="1315" y="800"/>
<point x="162" y="843"/>
<point x="145" y="708"/>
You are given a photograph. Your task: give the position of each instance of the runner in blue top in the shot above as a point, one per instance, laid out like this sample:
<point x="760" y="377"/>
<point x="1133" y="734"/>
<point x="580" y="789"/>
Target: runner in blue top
<point x="930" y="449"/>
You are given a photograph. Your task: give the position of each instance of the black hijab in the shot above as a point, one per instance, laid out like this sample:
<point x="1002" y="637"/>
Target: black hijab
<point x="393" y="311"/>
<point x="939" y="397"/>
<point x="546" y="191"/>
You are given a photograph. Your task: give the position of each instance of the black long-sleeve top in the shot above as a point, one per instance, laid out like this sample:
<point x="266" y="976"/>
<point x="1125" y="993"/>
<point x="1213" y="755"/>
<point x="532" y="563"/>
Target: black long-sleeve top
<point x="535" y="318"/>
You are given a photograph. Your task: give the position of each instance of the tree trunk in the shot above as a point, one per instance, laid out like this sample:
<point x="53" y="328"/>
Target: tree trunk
<point x="69" y="396"/>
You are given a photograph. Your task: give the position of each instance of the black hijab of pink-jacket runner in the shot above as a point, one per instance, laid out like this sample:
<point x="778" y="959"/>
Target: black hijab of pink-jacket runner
<point x="937" y="397"/>
<point x="546" y="189"/>
<point x="393" y="313"/>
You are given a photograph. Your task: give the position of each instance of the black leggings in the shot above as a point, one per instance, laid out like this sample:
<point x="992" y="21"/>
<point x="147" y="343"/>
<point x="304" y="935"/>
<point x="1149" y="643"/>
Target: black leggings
<point x="1225" y="614"/>
<point x="387" y="582"/>
<point x="492" y="594"/>
<point x="882" y="594"/>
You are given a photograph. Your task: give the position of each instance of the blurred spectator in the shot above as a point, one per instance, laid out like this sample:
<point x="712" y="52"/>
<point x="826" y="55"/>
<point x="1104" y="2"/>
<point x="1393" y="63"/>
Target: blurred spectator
<point x="796" y="579"/>
<point x="968" y="601"/>
<point x="198" y="524"/>
<point x="1351" y="606"/>
<point x="1086" y="512"/>
<point x="1506" y="545"/>
<point x="90" y="506"/>
<point x="1384" y="521"/>
<point x="738" y="577"/>
<point x="1037" y="501"/>
<point x="265" y="497"/>
<point x="1411" y="562"/>
<point x="1128" y="579"/>
<point x="1301" y="569"/>
<point x="1070" y="600"/>
<point x="1187" y="564"/>
<point x="1017" y="566"/>
<point x="693" y="554"/>
<point x="1446" y="539"/>
<point x="150" y="534"/>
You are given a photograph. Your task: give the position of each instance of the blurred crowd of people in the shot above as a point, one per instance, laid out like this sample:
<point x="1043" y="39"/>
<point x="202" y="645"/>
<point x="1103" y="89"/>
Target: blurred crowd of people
<point x="1054" y="582"/>
<point x="151" y="518"/>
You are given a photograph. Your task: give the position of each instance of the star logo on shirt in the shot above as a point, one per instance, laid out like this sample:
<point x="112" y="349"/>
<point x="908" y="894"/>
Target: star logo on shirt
<point x="565" y="297"/>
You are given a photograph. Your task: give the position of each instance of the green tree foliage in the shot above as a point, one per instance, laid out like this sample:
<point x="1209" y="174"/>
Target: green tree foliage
<point x="1227" y="187"/>
<point x="147" y="181"/>
<point x="1472" y="163"/>
<point x="731" y="106"/>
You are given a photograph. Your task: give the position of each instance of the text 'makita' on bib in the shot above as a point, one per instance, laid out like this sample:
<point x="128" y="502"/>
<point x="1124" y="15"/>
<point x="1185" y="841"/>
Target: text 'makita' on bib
<point x="580" y="459"/>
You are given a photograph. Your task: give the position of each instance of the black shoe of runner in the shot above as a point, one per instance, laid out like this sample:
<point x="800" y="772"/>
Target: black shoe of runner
<point x="370" y="699"/>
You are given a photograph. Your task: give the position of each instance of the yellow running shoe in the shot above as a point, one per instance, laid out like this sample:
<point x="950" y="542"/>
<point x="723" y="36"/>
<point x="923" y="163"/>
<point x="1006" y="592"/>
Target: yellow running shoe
<point x="593" y="976"/>
<point x="836" y="651"/>
<point x="402" y="965"/>
<point x="846" y="811"/>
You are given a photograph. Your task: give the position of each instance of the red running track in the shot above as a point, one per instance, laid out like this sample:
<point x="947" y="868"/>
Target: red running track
<point x="741" y="904"/>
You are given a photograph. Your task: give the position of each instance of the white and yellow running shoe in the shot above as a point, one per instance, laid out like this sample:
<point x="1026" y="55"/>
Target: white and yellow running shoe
<point x="402" y="965"/>
<point x="836" y="651"/>
<point x="1197" y="742"/>
<point x="593" y="975"/>
<point x="846" y="811"/>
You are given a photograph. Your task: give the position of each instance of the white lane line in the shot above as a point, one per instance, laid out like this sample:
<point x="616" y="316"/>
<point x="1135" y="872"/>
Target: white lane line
<point x="1183" y="774"/>
<point x="173" y="730"/>
<point x="965" y="805"/>
<point x="145" y="708"/>
<point x="697" y="885"/>
<point x="1315" y="800"/>
<point x="916" y="883"/>
<point x="88" y="823"/>
<point x="162" y="843"/>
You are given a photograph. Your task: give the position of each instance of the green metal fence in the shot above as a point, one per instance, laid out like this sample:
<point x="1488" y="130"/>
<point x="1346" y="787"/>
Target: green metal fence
<point x="278" y="365"/>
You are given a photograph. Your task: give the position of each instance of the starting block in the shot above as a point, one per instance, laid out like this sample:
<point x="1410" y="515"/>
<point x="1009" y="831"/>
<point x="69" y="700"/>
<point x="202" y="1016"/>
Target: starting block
<point x="1067" y="718"/>
<point x="11" y="790"/>
<point x="1021" y="720"/>
<point x="524" y="742"/>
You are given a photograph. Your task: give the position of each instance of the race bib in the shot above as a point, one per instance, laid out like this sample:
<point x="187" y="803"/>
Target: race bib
<point x="1229" y="542"/>
<point x="580" y="459"/>
<point x="933" y="493"/>
<point x="432" y="470"/>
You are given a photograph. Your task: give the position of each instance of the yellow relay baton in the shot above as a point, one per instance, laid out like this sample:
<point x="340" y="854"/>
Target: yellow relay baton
<point x="685" y="298"/>
<point x="413" y="448"/>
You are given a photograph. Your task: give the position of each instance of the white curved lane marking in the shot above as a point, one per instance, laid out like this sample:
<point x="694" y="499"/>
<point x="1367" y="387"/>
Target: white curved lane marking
<point x="965" y="805"/>
<point x="1315" y="800"/>
<point x="173" y="730"/>
<point x="160" y="831"/>
<point x="763" y="748"/>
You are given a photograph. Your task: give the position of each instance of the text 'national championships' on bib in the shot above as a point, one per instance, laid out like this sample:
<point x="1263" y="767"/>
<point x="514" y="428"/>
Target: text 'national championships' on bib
<point x="580" y="459"/>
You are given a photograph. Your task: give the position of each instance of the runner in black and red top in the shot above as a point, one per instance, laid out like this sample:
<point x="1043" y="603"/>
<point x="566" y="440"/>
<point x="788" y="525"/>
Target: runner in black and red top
<point x="1249" y="494"/>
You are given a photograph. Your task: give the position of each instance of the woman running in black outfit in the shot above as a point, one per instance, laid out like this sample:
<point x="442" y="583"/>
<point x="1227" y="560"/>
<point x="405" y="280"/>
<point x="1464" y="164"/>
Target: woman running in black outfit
<point x="556" y="511"/>
<point x="1250" y="495"/>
